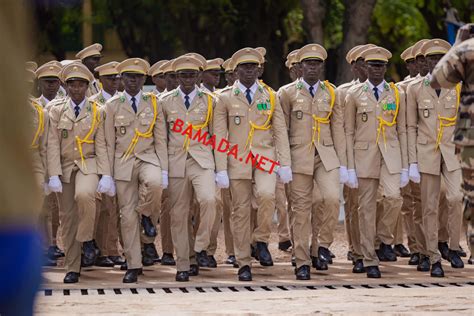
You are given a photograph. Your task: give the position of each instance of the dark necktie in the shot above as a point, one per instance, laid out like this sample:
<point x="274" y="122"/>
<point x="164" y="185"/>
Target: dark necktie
<point x="438" y="92"/>
<point x="311" y="91"/>
<point x="186" y="101"/>
<point x="376" y="93"/>
<point x="77" y="110"/>
<point x="247" y="95"/>
<point x="134" y="105"/>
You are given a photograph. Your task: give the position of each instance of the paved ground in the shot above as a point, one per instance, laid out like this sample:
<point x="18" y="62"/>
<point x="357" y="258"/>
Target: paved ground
<point x="274" y="290"/>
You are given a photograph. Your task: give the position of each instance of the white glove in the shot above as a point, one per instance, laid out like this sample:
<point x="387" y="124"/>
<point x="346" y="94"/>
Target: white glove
<point x="413" y="173"/>
<point x="285" y="174"/>
<point x="46" y="189"/>
<point x="164" y="179"/>
<point x="222" y="180"/>
<point x="343" y="175"/>
<point x="404" y="178"/>
<point x="106" y="185"/>
<point x="55" y="184"/>
<point x="352" y="181"/>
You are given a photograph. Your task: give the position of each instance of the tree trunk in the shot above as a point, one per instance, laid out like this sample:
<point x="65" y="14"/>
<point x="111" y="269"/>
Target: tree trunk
<point x="357" y="20"/>
<point x="314" y="12"/>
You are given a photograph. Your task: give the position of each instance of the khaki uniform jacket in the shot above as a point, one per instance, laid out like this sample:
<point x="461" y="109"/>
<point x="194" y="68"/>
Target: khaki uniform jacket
<point x="423" y="108"/>
<point x="173" y="109"/>
<point x="299" y="108"/>
<point x="38" y="145"/>
<point x="99" y="98"/>
<point x="232" y="117"/>
<point x="94" y="88"/>
<point x="63" y="148"/>
<point x="120" y="125"/>
<point x="361" y="118"/>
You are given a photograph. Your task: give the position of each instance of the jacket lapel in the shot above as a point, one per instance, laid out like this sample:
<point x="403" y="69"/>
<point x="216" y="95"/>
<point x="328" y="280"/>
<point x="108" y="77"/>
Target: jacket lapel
<point x="240" y="94"/>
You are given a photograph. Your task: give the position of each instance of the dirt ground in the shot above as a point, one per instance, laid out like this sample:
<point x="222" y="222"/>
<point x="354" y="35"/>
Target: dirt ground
<point x="274" y="290"/>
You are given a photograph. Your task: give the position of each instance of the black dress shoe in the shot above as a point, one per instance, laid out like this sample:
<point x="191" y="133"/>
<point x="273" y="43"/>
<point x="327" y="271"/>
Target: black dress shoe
<point x="470" y="260"/>
<point x="147" y="261"/>
<point x="385" y="253"/>
<point x="401" y="251"/>
<point x="193" y="270"/>
<point x="245" y="274"/>
<point x="117" y="260"/>
<point x="424" y="264"/>
<point x="89" y="253"/>
<point x="284" y="245"/>
<point x="104" y="262"/>
<point x="148" y="227"/>
<point x="150" y="251"/>
<point x="373" y="272"/>
<point x="331" y="254"/>
<point x="455" y="259"/>
<point x="350" y="256"/>
<point x="324" y="255"/>
<point x="319" y="264"/>
<point x="182" y="276"/>
<point x="230" y="260"/>
<point x="131" y="276"/>
<point x="167" y="259"/>
<point x="212" y="262"/>
<point x="293" y="261"/>
<point x="414" y="259"/>
<point x="264" y="255"/>
<point x="71" y="277"/>
<point x="302" y="273"/>
<point x="96" y="248"/>
<point x="437" y="270"/>
<point x="202" y="259"/>
<point x="461" y="252"/>
<point x="54" y="252"/>
<point x="124" y="266"/>
<point x="358" y="266"/>
<point x="444" y="249"/>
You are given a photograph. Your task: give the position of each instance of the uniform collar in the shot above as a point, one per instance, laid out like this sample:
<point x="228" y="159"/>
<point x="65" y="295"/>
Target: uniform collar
<point x="380" y="87"/>
<point x="191" y="95"/>
<point x="243" y="88"/>
<point x="106" y="95"/>
<point x="81" y="105"/>
<point x="307" y="86"/>
<point x="137" y="97"/>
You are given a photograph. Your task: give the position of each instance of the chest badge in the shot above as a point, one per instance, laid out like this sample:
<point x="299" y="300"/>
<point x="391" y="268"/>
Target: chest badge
<point x="237" y="120"/>
<point x="426" y="113"/>
<point x="299" y="115"/>
<point x="123" y="130"/>
<point x="65" y="133"/>
<point x="365" y="117"/>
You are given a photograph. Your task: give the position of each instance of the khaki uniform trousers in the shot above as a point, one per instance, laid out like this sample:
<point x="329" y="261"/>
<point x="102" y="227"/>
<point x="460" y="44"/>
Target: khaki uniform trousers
<point x="241" y="196"/>
<point x="301" y="201"/>
<point x="135" y="198"/>
<point x="49" y="218"/>
<point x="443" y="233"/>
<point x="202" y="183"/>
<point x="165" y="224"/>
<point x="282" y="212"/>
<point x="368" y="224"/>
<point x="351" y="219"/>
<point x="316" y="219"/>
<point x="155" y="217"/>
<point x="78" y="212"/>
<point x="430" y="195"/>
<point x="411" y="219"/>
<point x="107" y="225"/>
<point x="222" y="216"/>
<point x="386" y="221"/>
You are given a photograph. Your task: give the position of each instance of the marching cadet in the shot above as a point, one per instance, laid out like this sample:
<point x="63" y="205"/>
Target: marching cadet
<point x="77" y="153"/>
<point x="455" y="66"/>
<point x="136" y="146"/>
<point x="48" y="84"/>
<point x="411" y="214"/>
<point x="211" y="74"/>
<point x="107" y="222"/>
<point x="351" y="204"/>
<point x="90" y="57"/>
<point x="293" y="65"/>
<point x="250" y="116"/>
<point x="316" y="134"/>
<point x="431" y="118"/>
<point x="170" y="76"/>
<point x="39" y="133"/>
<point x="376" y="152"/>
<point x="228" y="72"/>
<point x="191" y="165"/>
<point x="158" y="77"/>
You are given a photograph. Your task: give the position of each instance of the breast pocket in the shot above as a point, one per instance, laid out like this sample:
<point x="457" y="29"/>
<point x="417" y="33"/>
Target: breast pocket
<point x="122" y="125"/>
<point x="65" y="128"/>
<point x="363" y="114"/>
<point x="237" y="116"/>
<point x="426" y="108"/>
<point x="300" y="112"/>
<point x="450" y="104"/>
<point x="198" y="116"/>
